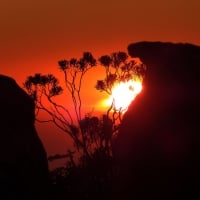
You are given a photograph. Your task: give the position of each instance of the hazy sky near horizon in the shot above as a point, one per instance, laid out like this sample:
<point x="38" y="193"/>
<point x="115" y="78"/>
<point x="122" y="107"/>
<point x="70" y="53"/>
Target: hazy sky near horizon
<point x="35" y="34"/>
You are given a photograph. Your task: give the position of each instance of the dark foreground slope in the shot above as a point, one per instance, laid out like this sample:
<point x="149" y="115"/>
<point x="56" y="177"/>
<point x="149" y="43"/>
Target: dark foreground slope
<point x="159" y="143"/>
<point x="23" y="162"/>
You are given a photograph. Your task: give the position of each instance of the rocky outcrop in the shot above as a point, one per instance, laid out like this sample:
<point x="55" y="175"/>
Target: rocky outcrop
<point x="159" y="142"/>
<point x="23" y="162"/>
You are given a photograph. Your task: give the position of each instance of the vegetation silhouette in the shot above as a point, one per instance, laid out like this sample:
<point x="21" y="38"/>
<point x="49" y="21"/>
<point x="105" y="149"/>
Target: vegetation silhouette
<point x="153" y="154"/>
<point x="93" y="137"/>
<point x="158" y="144"/>
<point x="23" y="163"/>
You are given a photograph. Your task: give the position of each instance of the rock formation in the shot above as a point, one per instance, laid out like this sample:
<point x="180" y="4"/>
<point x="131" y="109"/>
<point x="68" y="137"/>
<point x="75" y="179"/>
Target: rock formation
<point x="159" y="143"/>
<point x="23" y="162"/>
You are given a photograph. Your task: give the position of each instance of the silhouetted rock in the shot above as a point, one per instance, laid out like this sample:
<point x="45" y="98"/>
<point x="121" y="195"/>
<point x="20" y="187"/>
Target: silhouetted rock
<point x="159" y="143"/>
<point x="23" y="162"/>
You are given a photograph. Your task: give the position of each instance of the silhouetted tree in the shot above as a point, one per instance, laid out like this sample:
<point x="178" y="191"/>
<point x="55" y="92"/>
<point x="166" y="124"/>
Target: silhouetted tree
<point x="92" y="136"/>
<point x="119" y="67"/>
<point x="89" y="133"/>
<point x="43" y="89"/>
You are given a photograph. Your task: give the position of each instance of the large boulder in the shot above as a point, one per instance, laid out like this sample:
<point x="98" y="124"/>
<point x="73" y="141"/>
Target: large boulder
<point x="159" y="140"/>
<point x="23" y="162"/>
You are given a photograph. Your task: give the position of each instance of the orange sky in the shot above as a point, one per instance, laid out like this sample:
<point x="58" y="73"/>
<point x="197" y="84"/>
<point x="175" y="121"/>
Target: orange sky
<point x="35" y="34"/>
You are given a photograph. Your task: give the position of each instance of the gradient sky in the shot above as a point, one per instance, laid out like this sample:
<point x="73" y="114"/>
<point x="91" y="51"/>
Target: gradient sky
<point x="35" y="34"/>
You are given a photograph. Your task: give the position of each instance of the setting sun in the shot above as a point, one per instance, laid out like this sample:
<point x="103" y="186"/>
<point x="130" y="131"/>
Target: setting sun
<point x="123" y="94"/>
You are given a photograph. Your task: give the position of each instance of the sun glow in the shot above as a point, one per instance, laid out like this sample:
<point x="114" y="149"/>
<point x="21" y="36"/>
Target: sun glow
<point x="123" y="94"/>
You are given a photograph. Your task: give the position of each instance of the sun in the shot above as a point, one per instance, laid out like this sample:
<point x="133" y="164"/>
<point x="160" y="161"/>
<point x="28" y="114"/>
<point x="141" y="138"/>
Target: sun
<point x="123" y="93"/>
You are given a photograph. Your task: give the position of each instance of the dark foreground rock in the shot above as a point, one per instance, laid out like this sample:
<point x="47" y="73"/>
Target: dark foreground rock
<point x="23" y="162"/>
<point x="159" y="144"/>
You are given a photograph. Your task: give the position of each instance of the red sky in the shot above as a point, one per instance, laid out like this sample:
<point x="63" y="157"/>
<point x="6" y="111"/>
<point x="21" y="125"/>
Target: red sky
<point x="35" y="34"/>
